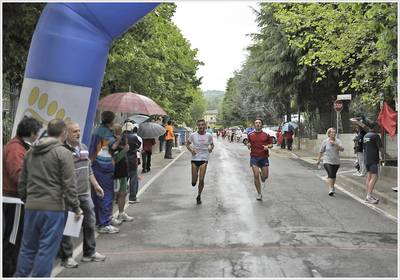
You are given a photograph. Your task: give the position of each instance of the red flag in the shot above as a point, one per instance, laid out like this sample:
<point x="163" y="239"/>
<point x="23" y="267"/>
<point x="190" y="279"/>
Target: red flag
<point x="388" y="120"/>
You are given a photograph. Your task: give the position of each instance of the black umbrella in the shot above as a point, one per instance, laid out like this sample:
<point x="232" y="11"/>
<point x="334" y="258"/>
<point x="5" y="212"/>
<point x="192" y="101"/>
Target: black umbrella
<point x="149" y="130"/>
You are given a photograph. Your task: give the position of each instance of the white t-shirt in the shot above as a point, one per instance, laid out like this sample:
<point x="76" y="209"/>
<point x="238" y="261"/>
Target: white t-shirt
<point x="201" y="143"/>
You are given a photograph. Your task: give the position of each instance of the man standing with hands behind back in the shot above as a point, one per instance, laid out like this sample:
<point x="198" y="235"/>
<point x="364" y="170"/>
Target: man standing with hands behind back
<point x="47" y="176"/>
<point x="259" y="142"/>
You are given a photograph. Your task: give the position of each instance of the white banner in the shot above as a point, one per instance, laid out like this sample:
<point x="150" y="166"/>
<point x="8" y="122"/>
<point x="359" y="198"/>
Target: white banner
<point x="46" y="101"/>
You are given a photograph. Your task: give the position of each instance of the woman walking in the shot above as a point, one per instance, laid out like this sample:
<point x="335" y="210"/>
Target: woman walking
<point x="330" y="149"/>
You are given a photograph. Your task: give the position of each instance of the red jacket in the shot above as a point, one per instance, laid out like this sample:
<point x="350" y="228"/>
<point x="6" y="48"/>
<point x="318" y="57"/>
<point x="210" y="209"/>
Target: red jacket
<point x="148" y="144"/>
<point x="13" y="156"/>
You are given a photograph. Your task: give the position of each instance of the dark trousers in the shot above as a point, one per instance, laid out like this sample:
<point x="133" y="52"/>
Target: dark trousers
<point x="13" y="216"/>
<point x="168" y="151"/>
<point x="289" y="144"/>
<point x="146" y="158"/>
<point x="88" y="229"/>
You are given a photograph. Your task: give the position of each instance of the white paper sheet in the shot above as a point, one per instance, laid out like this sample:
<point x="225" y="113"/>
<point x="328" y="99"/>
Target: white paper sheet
<point x="72" y="227"/>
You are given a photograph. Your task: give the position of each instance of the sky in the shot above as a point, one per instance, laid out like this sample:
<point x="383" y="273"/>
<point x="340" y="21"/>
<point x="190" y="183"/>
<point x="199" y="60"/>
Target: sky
<point x="218" y="30"/>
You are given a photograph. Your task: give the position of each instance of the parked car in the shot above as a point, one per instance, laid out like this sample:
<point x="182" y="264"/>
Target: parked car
<point x="273" y="127"/>
<point x="266" y="130"/>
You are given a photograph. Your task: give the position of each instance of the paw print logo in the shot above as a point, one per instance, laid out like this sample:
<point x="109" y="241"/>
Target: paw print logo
<point x="44" y="109"/>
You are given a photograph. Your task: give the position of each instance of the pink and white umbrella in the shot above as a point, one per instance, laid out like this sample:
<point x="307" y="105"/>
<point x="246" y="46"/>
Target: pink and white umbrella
<point x="129" y="102"/>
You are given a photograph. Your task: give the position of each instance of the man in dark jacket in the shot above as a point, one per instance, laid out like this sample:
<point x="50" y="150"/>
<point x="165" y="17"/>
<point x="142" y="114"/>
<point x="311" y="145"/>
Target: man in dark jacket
<point x="47" y="176"/>
<point x="135" y="142"/>
<point x="13" y="209"/>
<point x="121" y="176"/>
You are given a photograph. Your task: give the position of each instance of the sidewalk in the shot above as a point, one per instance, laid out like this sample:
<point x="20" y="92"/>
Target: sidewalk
<point x="383" y="188"/>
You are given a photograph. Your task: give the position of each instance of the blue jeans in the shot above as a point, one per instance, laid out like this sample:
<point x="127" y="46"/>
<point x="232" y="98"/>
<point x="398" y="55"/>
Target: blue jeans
<point x="161" y="145"/>
<point x="133" y="185"/>
<point x="41" y="240"/>
<point x="88" y="226"/>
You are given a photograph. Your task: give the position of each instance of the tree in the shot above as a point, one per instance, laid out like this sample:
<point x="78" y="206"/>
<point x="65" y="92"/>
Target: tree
<point x="19" y="23"/>
<point x="154" y="59"/>
<point x="198" y="107"/>
<point x="347" y="38"/>
<point x="228" y="104"/>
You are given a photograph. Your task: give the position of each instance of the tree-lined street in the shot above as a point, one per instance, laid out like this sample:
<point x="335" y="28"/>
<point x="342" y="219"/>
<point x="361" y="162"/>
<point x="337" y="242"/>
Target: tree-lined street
<point x="296" y="231"/>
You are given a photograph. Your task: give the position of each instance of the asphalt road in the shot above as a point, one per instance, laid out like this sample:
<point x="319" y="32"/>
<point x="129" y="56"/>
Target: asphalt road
<point x="297" y="231"/>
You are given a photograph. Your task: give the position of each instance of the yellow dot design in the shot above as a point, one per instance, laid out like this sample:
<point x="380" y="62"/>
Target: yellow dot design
<point x="43" y="101"/>
<point x="60" y="114"/>
<point x="41" y="105"/>
<point x="33" y="96"/>
<point x="52" y="108"/>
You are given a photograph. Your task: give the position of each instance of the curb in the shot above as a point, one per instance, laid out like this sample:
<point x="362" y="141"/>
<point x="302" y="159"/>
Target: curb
<point x="362" y="189"/>
<point x="350" y="183"/>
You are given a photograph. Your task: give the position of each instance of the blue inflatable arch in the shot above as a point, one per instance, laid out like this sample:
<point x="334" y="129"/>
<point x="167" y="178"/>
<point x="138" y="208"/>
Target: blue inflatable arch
<point x="68" y="57"/>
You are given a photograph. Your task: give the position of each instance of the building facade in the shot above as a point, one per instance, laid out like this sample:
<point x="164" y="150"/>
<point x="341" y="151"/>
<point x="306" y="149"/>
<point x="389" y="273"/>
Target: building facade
<point x="211" y="118"/>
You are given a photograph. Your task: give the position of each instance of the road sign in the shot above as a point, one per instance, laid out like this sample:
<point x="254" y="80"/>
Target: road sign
<point x="338" y="105"/>
<point x="344" y="96"/>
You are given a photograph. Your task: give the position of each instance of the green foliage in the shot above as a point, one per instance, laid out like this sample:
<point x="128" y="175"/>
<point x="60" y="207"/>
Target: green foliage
<point x="7" y="129"/>
<point x="198" y="108"/>
<point x="19" y="23"/>
<point x="214" y="99"/>
<point x="357" y="40"/>
<point x="226" y="113"/>
<point x="307" y="53"/>
<point x="154" y="59"/>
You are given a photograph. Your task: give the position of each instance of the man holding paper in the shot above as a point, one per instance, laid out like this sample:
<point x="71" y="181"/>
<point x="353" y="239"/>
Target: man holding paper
<point x="84" y="176"/>
<point x="47" y="176"/>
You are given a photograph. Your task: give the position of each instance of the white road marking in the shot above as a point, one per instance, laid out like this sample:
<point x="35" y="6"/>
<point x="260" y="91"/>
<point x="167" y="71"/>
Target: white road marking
<point x="372" y="206"/>
<point x="79" y="249"/>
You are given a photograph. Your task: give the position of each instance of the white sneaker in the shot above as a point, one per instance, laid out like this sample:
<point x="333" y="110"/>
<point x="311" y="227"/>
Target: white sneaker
<point x="108" y="229"/>
<point x="115" y="222"/>
<point x="372" y="200"/>
<point x="331" y="191"/>
<point x="124" y="218"/>
<point x="259" y="197"/>
<point x="96" y="257"/>
<point x="360" y="175"/>
<point x="395" y="189"/>
<point x="69" y="263"/>
<point x="357" y="174"/>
